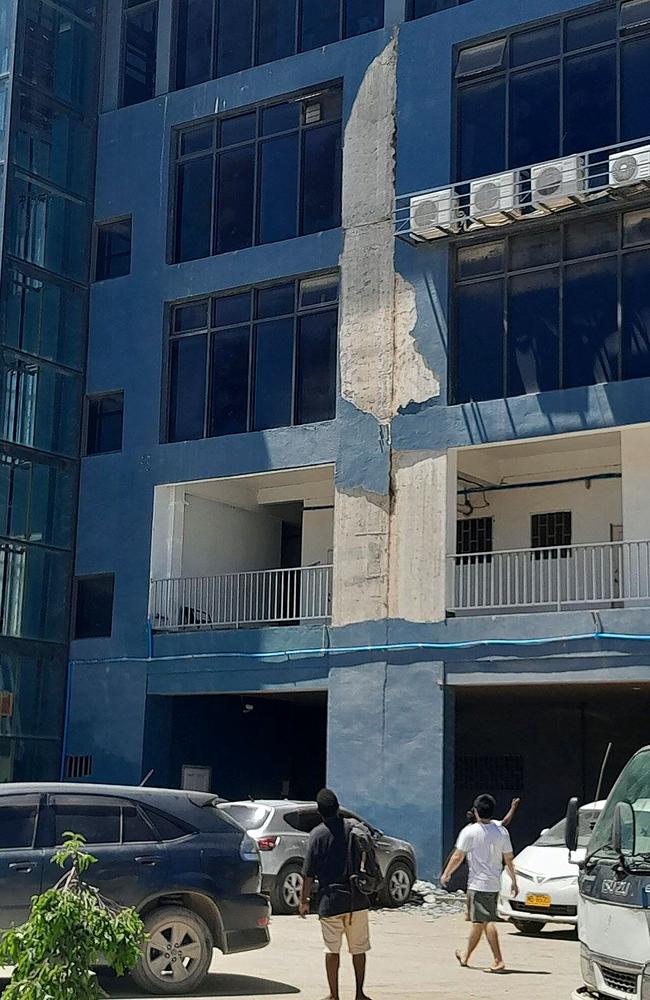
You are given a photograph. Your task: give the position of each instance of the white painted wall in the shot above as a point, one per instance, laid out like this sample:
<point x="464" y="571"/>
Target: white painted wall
<point x="635" y="458"/>
<point x="218" y="538"/>
<point x="317" y="536"/>
<point x="167" y="532"/>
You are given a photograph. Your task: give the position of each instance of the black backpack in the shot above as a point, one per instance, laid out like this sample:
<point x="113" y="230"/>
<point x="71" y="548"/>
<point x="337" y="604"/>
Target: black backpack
<point x="364" y="873"/>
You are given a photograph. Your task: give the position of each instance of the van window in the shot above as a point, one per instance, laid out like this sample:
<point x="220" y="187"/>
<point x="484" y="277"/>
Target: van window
<point x="135" y="829"/>
<point x="95" y="818"/>
<point x="304" y="820"/>
<point x="18" y="821"/>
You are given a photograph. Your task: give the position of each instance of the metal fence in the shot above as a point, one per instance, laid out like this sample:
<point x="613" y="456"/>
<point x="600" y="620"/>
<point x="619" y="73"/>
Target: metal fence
<point x="240" y="600"/>
<point x="562" y="577"/>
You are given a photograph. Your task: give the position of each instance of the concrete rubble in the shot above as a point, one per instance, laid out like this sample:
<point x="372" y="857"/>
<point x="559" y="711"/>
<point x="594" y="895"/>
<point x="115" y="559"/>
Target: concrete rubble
<point x="431" y="901"/>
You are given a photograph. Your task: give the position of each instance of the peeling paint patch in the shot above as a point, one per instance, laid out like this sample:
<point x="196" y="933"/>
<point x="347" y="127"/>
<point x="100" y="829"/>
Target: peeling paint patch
<point x="413" y="379"/>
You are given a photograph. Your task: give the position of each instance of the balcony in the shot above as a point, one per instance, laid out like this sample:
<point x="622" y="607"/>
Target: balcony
<point x="244" y="552"/>
<point x="560" y="578"/>
<point x="243" y="600"/>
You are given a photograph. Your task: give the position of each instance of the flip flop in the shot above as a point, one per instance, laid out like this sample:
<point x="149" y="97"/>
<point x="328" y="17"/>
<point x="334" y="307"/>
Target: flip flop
<point x="496" y="972"/>
<point x="459" y="959"/>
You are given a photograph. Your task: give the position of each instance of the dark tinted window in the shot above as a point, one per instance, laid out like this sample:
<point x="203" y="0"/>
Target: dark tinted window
<point x="528" y="97"/>
<point x="113" y="250"/>
<point x="17" y="821"/>
<point x="254" y="360"/>
<point x="95" y="819"/>
<point x="105" y="415"/>
<point x="94" y="611"/>
<point x="135" y="829"/>
<point x="260" y="176"/>
<point x="139" y="52"/>
<point x="304" y="820"/>
<point x="572" y="308"/>
<point x="165" y="826"/>
<point x="219" y="37"/>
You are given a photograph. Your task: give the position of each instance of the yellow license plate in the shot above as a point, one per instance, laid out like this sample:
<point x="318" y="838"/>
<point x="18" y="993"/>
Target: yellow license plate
<point x="533" y="899"/>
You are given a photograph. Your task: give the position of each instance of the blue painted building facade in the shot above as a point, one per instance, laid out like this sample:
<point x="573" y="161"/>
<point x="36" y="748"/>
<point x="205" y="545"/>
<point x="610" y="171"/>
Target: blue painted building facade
<point x="410" y="650"/>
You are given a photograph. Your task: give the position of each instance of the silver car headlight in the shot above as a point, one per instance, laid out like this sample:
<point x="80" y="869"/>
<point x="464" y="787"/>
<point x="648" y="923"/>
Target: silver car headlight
<point x="587" y="968"/>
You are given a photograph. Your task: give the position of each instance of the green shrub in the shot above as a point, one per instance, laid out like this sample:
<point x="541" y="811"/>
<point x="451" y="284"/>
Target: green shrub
<point x="69" y="928"/>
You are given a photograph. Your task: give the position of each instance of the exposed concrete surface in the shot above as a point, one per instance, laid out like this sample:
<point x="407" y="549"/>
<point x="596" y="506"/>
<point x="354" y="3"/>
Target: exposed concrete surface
<point x="360" y="590"/>
<point x="411" y="957"/>
<point x="413" y="379"/>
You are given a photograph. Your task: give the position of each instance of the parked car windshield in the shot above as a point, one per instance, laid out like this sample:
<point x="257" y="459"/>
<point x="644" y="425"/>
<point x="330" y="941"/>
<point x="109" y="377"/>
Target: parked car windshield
<point x="250" y="817"/>
<point x="555" y="836"/>
<point x="633" y="786"/>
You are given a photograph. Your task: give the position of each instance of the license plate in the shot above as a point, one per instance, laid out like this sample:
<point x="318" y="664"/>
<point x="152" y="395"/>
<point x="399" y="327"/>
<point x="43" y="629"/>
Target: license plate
<point x="534" y="899"/>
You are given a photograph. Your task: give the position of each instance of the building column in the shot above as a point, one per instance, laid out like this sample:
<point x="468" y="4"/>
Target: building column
<point x="635" y="490"/>
<point x="386" y="751"/>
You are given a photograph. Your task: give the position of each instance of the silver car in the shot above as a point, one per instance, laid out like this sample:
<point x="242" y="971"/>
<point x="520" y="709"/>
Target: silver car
<point x="281" y="829"/>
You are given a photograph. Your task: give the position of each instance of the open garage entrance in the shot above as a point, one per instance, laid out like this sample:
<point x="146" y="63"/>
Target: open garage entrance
<point x="543" y="744"/>
<point x="257" y="745"/>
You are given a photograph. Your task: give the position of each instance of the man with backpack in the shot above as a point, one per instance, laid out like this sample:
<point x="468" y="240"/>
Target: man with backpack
<point x="341" y="855"/>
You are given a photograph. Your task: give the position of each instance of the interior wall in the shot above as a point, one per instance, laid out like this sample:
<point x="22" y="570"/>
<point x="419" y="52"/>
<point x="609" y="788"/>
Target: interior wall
<point x="317" y="536"/>
<point x="273" y="749"/>
<point x="635" y="449"/>
<point x="218" y="538"/>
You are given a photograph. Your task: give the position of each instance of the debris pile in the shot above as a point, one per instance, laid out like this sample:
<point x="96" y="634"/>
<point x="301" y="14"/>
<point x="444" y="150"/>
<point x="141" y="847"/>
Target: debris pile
<point x="432" y="901"/>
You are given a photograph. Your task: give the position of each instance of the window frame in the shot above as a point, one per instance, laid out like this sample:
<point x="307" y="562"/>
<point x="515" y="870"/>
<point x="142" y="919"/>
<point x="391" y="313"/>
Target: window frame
<point x="95" y="397"/>
<point x="98" y="226"/>
<point x="211" y="331"/>
<point x="255" y="39"/>
<point x="75" y="605"/>
<point x="38" y="820"/>
<point x="97" y="799"/>
<point x="507" y="70"/>
<point x="562" y="264"/>
<point x="177" y="159"/>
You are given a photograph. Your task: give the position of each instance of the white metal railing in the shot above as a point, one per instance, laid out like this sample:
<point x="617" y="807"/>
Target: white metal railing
<point x="238" y="600"/>
<point x="562" y="577"/>
<point x="525" y="192"/>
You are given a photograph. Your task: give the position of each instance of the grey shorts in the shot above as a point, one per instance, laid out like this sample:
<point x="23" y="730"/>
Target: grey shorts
<point x="482" y="906"/>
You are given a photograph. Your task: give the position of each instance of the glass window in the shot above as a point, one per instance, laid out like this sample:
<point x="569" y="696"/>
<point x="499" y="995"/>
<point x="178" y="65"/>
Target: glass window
<point x="18" y="821"/>
<point x="362" y="16"/>
<point x="320" y="24"/>
<point x="277" y="175"/>
<point x="48" y="229"/>
<point x="139" y="59"/>
<point x="533" y="362"/>
<point x="194" y="48"/>
<point x="534" y="115"/>
<point x="234" y="35"/>
<point x="39" y="405"/>
<point x="94" y="609"/>
<point x="95" y="818"/>
<point x="113" y="250"/>
<point x="482" y="118"/>
<point x="635" y="13"/>
<point x="59" y="54"/>
<point x="590" y="29"/>
<point x="271" y="366"/>
<point x="34" y="585"/>
<point x="538" y="43"/>
<point x="276" y="36"/>
<point x="35" y="500"/>
<point x="32" y="695"/>
<point x="42" y="316"/>
<point x="635" y="110"/>
<point x="589" y="124"/>
<point x="54" y="143"/>
<point x="590" y="341"/>
<point x="104" y="423"/>
<point x="249" y="817"/>
<point x="135" y="829"/>
<point x="481" y="58"/>
<point x="166" y="827"/>
<point x="479" y="349"/>
<point x="576" y="313"/>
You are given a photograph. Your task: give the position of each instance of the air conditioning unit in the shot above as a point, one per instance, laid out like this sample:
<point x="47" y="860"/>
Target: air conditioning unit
<point x="434" y="215"/>
<point x="494" y="199"/>
<point x="630" y="166"/>
<point x="555" y="184"/>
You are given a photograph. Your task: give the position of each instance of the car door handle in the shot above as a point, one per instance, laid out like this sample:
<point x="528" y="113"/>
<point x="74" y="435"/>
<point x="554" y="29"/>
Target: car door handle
<point x="22" y="866"/>
<point x="148" y="859"/>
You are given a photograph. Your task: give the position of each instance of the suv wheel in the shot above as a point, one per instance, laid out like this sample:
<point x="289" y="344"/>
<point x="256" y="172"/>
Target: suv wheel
<point x="287" y="890"/>
<point x="397" y="886"/>
<point x="177" y="953"/>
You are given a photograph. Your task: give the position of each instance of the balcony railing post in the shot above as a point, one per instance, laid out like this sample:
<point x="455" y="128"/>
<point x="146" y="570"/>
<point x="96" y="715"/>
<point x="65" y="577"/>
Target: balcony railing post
<point x="558" y="557"/>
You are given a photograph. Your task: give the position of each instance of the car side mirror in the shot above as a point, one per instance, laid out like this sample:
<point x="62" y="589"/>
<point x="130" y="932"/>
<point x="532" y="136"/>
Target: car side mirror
<point x="571" y="826"/>
<point x="544" y="831"/>
<point x="623" y="829"/>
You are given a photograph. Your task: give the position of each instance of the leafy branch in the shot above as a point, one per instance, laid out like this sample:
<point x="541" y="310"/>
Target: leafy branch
<point x="69" y="928"/>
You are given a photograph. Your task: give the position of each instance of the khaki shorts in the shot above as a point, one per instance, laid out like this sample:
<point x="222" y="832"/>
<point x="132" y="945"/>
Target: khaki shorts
<point x="354" y="926"/>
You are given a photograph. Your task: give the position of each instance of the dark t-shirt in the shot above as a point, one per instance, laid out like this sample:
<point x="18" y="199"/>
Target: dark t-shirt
<point x="327" y="861"/>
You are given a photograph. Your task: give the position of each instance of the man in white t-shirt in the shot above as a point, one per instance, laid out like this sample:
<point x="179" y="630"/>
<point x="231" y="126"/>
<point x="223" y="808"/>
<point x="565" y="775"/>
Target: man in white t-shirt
<point x="485" y="845"/>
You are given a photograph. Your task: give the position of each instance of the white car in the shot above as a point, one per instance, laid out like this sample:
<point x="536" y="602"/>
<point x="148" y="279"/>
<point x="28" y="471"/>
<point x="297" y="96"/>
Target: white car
<point x="548" y="880"/>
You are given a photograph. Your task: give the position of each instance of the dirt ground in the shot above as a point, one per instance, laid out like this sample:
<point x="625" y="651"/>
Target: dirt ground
<point x="411" y="957"/>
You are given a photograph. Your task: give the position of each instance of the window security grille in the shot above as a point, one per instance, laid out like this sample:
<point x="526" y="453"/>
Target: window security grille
<point x="496" y="774"/>
<point x="550" y="530"/>
<point x="78" y="766"/>
<point x="473" y="535"/>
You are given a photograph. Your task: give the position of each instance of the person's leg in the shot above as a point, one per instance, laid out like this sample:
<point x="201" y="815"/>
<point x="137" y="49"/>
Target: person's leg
<point x="475" y="935"/>
<point x="332" y="965"/>
<point x="357" y="930"/>
<point x="493" y="941"/>
<point x="359" y="963"/>
<point x="332" y="931"/>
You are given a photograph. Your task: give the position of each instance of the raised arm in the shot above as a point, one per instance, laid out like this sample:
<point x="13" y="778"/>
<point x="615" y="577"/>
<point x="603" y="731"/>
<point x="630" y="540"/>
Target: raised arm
<point x="507" y="819"/>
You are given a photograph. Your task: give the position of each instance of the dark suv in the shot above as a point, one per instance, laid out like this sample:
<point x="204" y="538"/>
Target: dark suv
<point x="191" y="872"/>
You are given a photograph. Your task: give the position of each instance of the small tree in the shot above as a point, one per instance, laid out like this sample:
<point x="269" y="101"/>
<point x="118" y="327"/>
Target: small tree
<point x="69" y="928"/>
